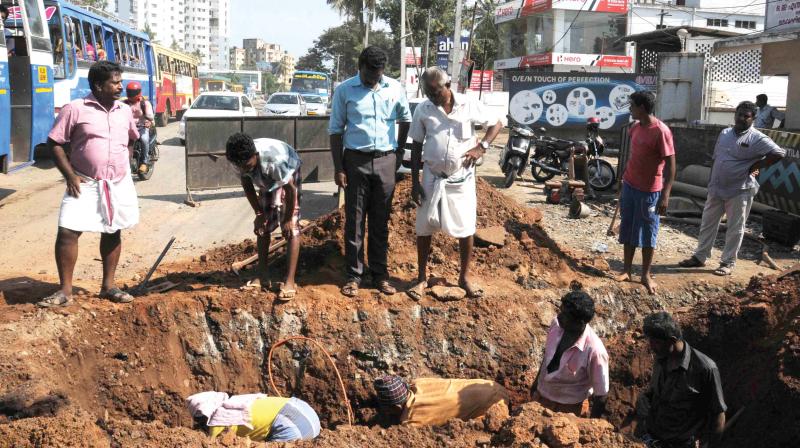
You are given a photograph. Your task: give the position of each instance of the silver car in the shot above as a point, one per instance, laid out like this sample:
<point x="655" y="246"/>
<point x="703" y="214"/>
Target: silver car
<point x="315" y="105"/>
<point x="285" y="104"/>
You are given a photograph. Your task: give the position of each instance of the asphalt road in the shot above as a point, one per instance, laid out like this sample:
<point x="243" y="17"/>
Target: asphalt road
<point x="30" y="200"/>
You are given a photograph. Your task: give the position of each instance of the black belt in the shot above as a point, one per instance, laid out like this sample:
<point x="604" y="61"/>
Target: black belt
<point x="370" y="154"/>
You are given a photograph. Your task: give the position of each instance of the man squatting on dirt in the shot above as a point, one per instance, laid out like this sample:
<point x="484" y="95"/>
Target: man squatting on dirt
<point x="443" y="133"/>
<point x="273" y="167"/>
<point x="258" y="417"/>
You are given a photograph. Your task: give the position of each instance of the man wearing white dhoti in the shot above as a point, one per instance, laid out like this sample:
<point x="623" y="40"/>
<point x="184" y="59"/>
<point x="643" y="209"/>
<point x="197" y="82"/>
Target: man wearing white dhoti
<point x="443" y="133"/>
<point x="100" y="196"/>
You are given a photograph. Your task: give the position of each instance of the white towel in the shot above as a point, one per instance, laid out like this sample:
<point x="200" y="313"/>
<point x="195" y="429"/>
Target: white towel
<point x="102" y="206"/>
<point x="205" y="403"/>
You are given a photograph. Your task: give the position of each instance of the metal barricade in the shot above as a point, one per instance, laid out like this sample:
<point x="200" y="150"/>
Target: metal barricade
<point x="208" y="169"/>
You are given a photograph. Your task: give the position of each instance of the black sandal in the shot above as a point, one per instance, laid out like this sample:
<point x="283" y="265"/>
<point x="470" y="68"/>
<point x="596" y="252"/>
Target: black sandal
<point x="350" y="289"/>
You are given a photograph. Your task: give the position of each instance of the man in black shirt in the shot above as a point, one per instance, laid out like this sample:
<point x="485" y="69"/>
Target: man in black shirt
<point x="684" y="401"/>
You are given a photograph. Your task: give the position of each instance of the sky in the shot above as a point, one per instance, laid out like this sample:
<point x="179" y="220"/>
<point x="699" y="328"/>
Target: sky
<point x="293" y="24"/>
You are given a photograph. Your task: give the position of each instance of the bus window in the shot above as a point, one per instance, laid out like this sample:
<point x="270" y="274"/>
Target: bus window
<point x="142" y="55"/>
<point x="117" y="48"/>
<point x="69" y="31"/>
<point x="125" y="40"/>
<point x="57" y="42"/>
<point x="99" y="43"/>
<point x="37" y="26"/>
<point x="89" y="51"/>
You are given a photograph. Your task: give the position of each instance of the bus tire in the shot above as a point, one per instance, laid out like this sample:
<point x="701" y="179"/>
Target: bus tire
<point x="161" y="120"/>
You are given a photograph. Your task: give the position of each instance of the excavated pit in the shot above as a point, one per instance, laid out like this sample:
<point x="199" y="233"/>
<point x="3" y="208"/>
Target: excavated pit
<point x="98" y="374"/>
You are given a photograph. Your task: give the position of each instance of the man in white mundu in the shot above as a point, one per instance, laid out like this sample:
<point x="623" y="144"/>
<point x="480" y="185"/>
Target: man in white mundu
<point x="443" y="133"/>
<point x="100" y="196"/>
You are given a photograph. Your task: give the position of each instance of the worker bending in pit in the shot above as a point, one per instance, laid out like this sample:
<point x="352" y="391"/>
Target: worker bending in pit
<point x="434" y="401"/>
<point x="575" y="362"/>
<point x="684" y="401"/>
<point x="258" y="417"/>
<point x="273" y="167"/>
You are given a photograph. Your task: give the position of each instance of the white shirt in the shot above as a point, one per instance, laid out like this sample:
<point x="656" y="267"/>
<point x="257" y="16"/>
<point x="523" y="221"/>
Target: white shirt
<point x="765" y="117"/>
<point x="734" y="154"/>
<point x="447" y="137"/>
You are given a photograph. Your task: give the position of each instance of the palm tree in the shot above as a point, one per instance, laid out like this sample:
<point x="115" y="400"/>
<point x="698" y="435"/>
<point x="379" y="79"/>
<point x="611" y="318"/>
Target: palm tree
<point x="352" y="9"/>
<point x="282" y="70"/>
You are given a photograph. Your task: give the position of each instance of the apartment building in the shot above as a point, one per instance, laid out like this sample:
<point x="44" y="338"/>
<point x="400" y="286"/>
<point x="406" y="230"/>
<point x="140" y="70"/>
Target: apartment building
<point x="236" y="59"/>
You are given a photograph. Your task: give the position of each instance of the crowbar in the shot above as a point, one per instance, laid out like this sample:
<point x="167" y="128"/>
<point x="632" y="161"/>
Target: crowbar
<point x="141" y="289"/>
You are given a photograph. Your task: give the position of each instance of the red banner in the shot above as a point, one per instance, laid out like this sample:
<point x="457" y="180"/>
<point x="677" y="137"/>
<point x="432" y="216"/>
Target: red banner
<point x="536" y="59"/>
<point x="485" y="77"/>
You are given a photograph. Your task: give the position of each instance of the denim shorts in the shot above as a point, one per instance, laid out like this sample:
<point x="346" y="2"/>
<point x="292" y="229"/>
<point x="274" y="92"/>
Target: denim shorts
<point x="639" y="220"/>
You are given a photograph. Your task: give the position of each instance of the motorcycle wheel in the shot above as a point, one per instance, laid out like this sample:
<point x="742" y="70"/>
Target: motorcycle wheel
<point x="538" y="173"/>
<point x="601" y="174"/>
<point x="151" y="166"/>
<point x="511" y="176"/>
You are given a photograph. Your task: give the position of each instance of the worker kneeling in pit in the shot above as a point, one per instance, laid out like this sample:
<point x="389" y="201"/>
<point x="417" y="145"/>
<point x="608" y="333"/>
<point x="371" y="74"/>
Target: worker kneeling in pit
<point x="258" y="417"/>
<point x="434" y="401"/>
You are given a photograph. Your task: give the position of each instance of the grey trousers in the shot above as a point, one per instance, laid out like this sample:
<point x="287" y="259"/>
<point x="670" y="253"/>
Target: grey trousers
<point x="737" y="210"/>
<point x="368" y="197"/>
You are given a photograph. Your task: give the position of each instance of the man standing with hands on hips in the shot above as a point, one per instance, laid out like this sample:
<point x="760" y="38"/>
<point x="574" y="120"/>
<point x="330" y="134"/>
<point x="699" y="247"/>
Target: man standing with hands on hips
<point x="365" y="157"/>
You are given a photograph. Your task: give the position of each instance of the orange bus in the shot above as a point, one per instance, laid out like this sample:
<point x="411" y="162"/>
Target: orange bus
<point x="177" y="83"/>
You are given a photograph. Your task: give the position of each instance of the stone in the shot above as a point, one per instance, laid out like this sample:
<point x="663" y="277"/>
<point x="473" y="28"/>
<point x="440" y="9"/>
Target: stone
<point x="491" y="236"/>
<point x="448" y="293"/>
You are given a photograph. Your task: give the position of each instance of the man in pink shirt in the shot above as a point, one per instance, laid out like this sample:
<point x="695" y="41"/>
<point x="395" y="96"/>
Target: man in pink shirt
<point x="575" y="362"/>
<point x="100" y="196"/>
<point x="645" y="192"/>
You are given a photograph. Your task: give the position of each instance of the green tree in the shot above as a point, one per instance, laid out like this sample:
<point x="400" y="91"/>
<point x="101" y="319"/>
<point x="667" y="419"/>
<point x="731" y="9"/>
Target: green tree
<point x="314" y="60"/>
<point x="269" y="83"/>
<point x="345" y="42"/>
<point x="150" y="33"/>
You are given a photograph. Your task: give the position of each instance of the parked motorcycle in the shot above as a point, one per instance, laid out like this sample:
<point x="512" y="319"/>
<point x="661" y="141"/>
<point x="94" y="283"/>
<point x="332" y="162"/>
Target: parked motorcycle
<point x="514" y="156"/>
<point x="137" y="150"/>
<point x="551" y="157"/>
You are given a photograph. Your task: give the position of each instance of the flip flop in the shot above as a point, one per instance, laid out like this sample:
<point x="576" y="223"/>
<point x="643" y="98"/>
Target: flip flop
<point x="350" y="289"/>
<point x="723" y="271"/>
<point x="57" y="298"/>
<point x="385" y="287"/>
<point x="691" y="262"/>
<point x="285" y="295"/>
<point x="476" y="293"/>
<point x="116" y="295"/>
<point x="417" y="292"/>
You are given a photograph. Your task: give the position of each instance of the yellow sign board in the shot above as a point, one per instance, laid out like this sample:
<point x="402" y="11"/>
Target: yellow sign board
<point x="42" y="75"/>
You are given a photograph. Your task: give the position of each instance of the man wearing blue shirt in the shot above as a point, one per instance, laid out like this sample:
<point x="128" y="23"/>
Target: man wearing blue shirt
<point x="365" y="158"/>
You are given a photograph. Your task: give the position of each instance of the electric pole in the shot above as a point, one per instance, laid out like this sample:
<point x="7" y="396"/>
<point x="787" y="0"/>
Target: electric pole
<point x="455" y="54"/>
<point x="366" y="24"/>
<point x="661" y="21"/>
<point x="403" y="43"/>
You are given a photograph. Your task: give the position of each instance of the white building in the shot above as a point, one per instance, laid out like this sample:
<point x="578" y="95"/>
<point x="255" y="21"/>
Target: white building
<point x="744" y="16"/>
<point x="186" y="24"/>
<point x="220" y="24"/>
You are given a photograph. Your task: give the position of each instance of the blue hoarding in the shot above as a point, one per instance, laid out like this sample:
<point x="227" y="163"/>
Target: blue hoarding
<point x="569" y="99"/>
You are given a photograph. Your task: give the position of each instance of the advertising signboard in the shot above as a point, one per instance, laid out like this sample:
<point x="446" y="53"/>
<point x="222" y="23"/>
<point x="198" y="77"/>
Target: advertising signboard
<point x="594" y="60"/>
<point x="413" y="56"/>
<point x="443" y="46"/>
<point x="569" y="99"/>
<point x="485" y="77"/>
<point x="523" y="8"/>
<point x="782" y="15"/>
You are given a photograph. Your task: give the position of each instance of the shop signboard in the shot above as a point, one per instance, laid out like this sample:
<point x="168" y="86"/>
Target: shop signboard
<point x="562" y="100"/>
<point x="782" y="15"/>
<point x="523" y="8"/>
<point x="591" y="60"/>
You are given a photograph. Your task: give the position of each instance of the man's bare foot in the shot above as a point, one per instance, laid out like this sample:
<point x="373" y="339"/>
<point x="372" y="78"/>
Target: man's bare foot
<point x="624" y="277"/>
<point x="473" y="291"/>
<point x="648" y="283"/>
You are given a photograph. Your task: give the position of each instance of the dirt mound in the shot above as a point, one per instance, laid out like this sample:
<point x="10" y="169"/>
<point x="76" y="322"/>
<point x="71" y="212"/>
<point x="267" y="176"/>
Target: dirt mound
<point x="118" y="374"/>
<point x="753" y="337"/>
<point x="528" y="246"/>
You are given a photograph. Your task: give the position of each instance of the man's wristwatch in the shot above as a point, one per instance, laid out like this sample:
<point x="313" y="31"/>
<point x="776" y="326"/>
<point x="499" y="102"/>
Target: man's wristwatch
<point x="484" y="144"/>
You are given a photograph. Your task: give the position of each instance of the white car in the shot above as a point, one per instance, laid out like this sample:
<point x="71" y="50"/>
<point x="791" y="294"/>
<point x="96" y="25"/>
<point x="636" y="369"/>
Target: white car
<point x="285" y="104"/>
<point x="315" y="105"/>
<point x="217" y="104"/>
